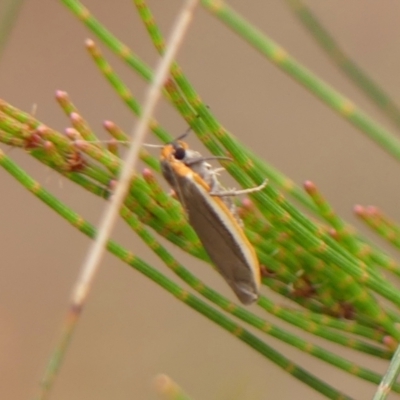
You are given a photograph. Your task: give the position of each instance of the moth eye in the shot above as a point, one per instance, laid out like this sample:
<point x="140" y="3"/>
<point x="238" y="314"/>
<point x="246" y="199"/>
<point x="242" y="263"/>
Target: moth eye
<point x="180" y="153"/>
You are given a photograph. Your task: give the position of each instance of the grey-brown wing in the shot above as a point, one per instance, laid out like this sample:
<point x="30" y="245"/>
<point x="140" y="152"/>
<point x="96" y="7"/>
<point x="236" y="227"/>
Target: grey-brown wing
<point x="219" y="239"/>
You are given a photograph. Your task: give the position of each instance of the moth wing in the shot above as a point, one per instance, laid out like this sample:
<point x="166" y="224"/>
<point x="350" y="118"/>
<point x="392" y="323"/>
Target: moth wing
<point x="222" y="239"/>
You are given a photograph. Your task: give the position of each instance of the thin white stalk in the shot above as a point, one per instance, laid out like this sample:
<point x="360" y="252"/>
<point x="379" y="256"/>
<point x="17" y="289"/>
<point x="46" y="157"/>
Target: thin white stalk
<point x="389" y="378"/>
<point x="107" y="222"/>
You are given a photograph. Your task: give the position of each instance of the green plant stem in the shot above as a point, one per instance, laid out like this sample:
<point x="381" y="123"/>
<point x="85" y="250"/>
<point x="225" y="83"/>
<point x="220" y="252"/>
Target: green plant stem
<point x="116" y="46"/>
<point x="344" y="62"/>
<point x="120" y="49"/>
<point x="285" y="219"/>
<point x="122" y="90"/>
<point x="255" y="321"/>
<point x="184" y="296"/>
<point x="343" y="106"/>
<point x="275" y="208"/>
<point x="9" y="10"/>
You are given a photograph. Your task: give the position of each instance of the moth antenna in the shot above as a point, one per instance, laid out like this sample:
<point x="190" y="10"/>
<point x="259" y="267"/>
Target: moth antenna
<point x="201" y="159"/>
<point x="155" y="146"/>
<point x="186" y="133"/>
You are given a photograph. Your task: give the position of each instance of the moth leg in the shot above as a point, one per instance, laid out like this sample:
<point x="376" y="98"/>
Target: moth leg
<point x="235" y="192"/>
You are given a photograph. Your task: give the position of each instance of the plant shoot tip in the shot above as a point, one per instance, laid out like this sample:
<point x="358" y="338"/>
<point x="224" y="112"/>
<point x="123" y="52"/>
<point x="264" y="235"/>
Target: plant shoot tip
<point x="108" y="124"/>
<point x="359" y="210"/>
<point x="41" y="129"/>
<point x="389" y="342"/>
<point x="147" y="173"/>
<point x="89" y="42"/>
<point x="72" y="133"/>
<point x="80" y="144"/>
<point x="333" y="233"/>
<point x="112" y="184"/>
<point x="47" y="145"/>
<point x="75" y="117"/>
<point x="247" y="203"/>
<point x="309" y="186"/>
<point x="61" y="95"/>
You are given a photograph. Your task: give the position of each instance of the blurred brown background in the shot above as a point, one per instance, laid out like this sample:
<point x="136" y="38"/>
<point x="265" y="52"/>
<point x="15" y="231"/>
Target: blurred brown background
<point x="131" y="330"/>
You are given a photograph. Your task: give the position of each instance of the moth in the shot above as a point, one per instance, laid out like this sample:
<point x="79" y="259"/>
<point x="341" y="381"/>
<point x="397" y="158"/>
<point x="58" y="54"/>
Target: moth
<point x="212" y="214"/>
